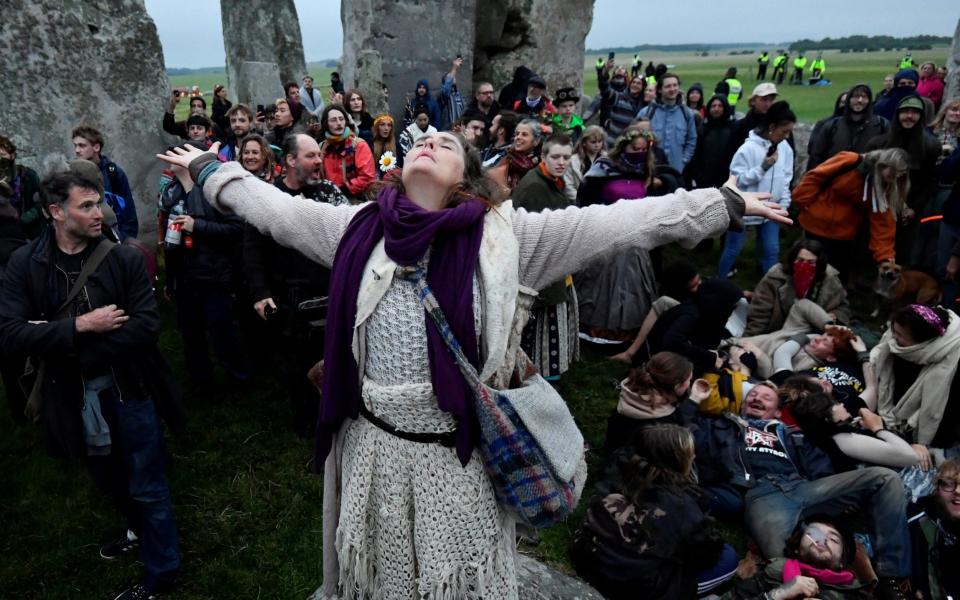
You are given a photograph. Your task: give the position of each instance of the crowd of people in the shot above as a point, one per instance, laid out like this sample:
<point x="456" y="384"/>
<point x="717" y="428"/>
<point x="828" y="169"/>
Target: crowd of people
<point x="311" y="233"/>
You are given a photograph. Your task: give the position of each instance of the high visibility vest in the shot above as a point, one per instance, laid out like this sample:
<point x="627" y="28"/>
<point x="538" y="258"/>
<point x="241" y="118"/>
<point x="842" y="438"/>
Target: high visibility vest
<point x="819" y="65"/>
<point x="906" y="63"/>
<point x="764" y="59"/>
<point x="800" y="62"/>
<point x="651" y="80"/>
<point x="636" y="61"/>
<point x="779" y="61"/>
<point x="735" y="88"/>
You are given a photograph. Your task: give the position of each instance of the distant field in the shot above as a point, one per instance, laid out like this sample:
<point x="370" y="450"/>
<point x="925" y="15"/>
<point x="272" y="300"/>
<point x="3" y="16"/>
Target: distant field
<point x="810" y="103"/>
<point x="207" y="80"/>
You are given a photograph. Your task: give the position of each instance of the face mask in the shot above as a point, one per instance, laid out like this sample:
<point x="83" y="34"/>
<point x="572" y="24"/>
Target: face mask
<point x="803" y="275"/>
<point x="636" y="159"/>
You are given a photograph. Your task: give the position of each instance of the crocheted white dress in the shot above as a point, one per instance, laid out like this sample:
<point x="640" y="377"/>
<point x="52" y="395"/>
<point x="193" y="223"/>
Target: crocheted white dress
<point x="414" y="523"/>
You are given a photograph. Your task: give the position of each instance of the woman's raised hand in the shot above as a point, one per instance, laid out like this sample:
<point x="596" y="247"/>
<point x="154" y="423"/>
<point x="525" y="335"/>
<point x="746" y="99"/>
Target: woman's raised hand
<point x="182" y="157"/>
<point x="758" y="204"/>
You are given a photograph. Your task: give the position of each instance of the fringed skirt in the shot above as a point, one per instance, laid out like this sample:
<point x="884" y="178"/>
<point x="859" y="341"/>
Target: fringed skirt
<point x="551" y="336"/>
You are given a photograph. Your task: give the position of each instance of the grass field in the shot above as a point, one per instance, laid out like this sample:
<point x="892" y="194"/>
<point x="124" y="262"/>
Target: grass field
<point x="809" y="103"/>
<point x="206" y="81"/>
<point x="247" y="507"/>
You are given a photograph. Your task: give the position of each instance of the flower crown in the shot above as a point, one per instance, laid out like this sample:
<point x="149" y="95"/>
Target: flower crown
<point x="631" y="134"/>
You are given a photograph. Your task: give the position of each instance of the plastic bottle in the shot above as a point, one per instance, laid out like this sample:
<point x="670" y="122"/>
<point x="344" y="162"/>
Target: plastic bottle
<point x="174" y="230"/>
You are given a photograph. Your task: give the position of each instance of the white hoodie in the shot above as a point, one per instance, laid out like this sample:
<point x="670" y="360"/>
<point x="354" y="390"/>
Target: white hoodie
<point x="747" y="166"/>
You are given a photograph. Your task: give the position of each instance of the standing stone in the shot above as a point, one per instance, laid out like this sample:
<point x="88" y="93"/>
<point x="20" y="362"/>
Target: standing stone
<point x="96" y="62"/>
<point x="537" y="581"/>
<point x="414" y="40"/>
<point x="261" y="31"/>
<point x="953" y="68"/>
<point x="546" y="36"/>
<point x="256" y="83"/>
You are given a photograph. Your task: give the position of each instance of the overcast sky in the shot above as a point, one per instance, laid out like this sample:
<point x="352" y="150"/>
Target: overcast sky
<point x="190" y="30"/>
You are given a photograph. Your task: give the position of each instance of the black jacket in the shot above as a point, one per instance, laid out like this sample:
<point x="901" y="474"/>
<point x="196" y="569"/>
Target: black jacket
<point x="34" y="288"/>
<point x="216" y="238"/>
<point x="841" y="134"/>
<point x="719" y="450"/>
<point x="275" y="271"/>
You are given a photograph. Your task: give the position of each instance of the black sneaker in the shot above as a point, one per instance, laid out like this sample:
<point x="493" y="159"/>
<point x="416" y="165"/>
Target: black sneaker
<point x="137" y="592"/>
<point x="120" y="546"/>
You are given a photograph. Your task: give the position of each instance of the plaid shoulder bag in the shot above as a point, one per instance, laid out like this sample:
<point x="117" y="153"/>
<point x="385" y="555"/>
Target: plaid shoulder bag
<point x="530" y="445"/>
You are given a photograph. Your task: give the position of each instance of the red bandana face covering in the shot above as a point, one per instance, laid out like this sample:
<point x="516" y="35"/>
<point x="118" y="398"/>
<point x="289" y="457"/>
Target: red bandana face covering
<point x="803" y="275"/>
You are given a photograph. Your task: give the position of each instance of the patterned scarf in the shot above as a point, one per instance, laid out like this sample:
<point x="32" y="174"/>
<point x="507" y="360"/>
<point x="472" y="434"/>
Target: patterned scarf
<point x="519" y="165"/>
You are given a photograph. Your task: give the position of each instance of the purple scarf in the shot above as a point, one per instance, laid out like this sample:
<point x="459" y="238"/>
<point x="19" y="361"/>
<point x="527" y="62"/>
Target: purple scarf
<point x="408" y="231"/>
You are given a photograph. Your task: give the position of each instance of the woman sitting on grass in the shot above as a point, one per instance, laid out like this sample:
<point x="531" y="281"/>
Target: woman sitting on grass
<point x="652" y="539"/>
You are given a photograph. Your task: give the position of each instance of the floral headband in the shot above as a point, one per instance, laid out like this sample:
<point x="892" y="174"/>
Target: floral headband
<point x="632" y="134"/>
<point x="382" y="117"/>
<point x="930" y="316"/>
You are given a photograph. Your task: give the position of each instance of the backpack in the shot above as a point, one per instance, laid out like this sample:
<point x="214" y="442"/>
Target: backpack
<point x="686" y="113"/>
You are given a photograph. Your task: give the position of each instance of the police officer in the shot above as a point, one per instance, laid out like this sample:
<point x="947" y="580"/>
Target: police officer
<point x="762" y="63"/>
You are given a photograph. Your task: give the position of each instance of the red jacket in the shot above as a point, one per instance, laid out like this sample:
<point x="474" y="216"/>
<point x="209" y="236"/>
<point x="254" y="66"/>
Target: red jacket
<point x="832" y="205"/>
<point x="336" y="163"/>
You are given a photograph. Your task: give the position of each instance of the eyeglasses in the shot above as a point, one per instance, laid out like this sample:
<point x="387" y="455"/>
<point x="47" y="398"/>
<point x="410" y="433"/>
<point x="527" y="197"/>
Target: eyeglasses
<point x="945" y="485"/>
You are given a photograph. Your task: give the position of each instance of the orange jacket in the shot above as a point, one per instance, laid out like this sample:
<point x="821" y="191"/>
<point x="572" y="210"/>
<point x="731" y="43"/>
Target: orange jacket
<point x="334" y="167"/>
<point x="832" y="205"/>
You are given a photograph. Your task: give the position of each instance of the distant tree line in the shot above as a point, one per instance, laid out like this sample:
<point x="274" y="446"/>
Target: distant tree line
<point x="696" y="47"/>
<point x="871" y="43"/>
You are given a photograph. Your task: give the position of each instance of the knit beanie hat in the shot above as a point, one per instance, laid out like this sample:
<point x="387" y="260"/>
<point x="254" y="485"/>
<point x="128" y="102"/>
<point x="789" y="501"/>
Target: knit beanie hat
<point x="910" y="74"/>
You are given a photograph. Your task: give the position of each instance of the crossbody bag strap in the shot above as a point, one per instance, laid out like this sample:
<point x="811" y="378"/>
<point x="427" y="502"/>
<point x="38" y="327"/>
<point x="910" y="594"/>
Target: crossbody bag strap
<point x="99" y="253"/>
<point x="430" y="304"/>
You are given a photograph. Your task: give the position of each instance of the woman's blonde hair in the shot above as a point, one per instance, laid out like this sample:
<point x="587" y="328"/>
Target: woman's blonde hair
<point x="590" y="133"/>
<point x="940" y="121"/>
<point x="889" y="195"/>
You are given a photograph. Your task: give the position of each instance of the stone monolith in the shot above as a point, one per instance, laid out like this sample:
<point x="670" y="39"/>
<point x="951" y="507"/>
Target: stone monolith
<point x="261" y="31"/>
<point x="97" y="62"/>
<point x="953" y="68"/>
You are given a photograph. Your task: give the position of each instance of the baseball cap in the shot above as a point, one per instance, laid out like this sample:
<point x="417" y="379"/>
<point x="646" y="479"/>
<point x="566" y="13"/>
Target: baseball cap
<point x="764" y="89"/>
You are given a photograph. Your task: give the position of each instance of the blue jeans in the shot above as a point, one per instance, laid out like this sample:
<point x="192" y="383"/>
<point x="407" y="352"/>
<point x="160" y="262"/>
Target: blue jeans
<point x="134" y="476"/>
<point x="777" y="504"/>
<point x="768" y="247"/>
<point x="949" y="236"/>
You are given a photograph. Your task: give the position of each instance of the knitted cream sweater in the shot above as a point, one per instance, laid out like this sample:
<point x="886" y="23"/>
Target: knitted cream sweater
<point x="552" y="243"/>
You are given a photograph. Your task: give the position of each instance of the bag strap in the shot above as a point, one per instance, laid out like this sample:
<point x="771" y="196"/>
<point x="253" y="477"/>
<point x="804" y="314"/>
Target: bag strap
<point x="99" y="253"/>
<point x="418" y="275"/>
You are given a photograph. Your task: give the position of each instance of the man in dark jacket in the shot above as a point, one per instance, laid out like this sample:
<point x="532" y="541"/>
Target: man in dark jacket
<point x="782" y="478"/>
<point x="849" y="132"/>
<point x="103" y="380"/>
<point x="88" y="145"/>
<point x="202" y="261"/>
<point x="280" y="279"/>
<point x="821" y="552"/>
<point x="484" y="102"/>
